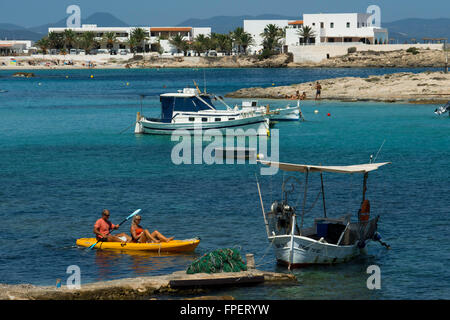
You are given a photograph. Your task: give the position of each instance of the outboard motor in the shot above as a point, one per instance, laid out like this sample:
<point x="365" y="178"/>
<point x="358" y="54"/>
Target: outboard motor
<point x="283" y="216"/>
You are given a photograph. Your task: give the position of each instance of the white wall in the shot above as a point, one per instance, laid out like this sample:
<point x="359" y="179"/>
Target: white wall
<point x="197" y="31"/>
<point x="317" y="53"/>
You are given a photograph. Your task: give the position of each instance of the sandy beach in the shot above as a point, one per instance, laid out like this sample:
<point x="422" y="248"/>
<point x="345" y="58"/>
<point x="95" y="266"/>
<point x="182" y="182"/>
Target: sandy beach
<point x="425" y="87"/>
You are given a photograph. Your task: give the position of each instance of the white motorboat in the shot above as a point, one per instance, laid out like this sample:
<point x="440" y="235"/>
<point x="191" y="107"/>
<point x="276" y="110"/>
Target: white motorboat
<point x="189" y="110"/>
<point x="328" y="240"/>
<point x="287" y="113"/>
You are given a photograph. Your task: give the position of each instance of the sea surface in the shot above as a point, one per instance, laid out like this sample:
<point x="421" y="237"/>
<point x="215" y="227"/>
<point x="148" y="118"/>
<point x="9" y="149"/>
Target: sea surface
<point x="67" y="150"/>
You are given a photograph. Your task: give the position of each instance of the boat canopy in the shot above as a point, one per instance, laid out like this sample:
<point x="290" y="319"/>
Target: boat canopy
<point x="358" y="168"/>
<point x="183" y="102"/>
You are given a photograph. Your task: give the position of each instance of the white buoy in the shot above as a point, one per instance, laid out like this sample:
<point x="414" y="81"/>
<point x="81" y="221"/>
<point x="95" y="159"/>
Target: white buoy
<point x="316" y="111"/>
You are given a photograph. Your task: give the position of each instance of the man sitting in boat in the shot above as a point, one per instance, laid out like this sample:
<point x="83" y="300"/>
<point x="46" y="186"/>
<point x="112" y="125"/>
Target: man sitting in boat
<point x="141" y="235"/>
<point x="103" y="228"/>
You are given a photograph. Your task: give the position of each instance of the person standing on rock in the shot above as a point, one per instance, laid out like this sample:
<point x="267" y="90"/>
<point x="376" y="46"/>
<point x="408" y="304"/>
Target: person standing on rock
<point x="318" y="90"/>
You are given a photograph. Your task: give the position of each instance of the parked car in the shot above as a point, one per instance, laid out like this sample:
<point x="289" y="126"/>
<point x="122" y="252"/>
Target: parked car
<point x="212" y="53"/>
<point x="73" y="51"/>
<point x="102" y="51"/>
<point x="113" y="52"/>
<point x="123" y="52"/>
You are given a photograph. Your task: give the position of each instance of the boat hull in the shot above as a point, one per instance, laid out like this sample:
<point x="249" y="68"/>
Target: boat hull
<point x="171" y="246"/>
<point x="306" y="251"/>
<point x="285" y="114"/>
<point x="248" y="126"/>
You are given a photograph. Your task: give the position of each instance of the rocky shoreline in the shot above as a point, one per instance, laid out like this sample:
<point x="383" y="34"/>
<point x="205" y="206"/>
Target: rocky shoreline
<point x="425" y="87"/>
<point x="421" y="58"/>
<point x="142" y="287"/>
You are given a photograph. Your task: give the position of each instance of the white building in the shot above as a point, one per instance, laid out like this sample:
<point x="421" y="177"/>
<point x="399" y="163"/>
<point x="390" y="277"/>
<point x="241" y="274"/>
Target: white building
<point x="122" y="34"/>
<point x="256" y="27"/>
<point x="164" y="34"/>
<point x="154" y="34"/>
<point x="8" y="47"/>
<point x="345" y="27"/>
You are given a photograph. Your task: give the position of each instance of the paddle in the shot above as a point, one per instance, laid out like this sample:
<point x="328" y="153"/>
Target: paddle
<point x="124" y="220"/>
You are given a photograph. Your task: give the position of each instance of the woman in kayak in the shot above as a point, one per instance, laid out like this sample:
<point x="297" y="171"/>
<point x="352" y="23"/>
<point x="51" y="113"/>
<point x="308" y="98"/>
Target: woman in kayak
<point x="103" y="228"/>
<point x="142" y="235"/>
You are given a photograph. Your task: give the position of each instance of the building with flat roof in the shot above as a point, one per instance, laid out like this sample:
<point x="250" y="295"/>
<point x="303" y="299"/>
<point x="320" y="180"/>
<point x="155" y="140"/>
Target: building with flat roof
<point x="164" y="34"/>
<point x="9" y="47"/>
<point x="345" y="27"/>
<point x="122" y="34"/>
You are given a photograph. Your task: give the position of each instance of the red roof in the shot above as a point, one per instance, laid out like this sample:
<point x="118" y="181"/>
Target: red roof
<point x="296" y="22"/>
<point x="175" y="29"/>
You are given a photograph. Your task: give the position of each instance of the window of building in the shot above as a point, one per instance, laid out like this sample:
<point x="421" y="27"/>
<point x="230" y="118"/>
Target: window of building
<point x="314" y="24"/>
<point x="362" y="24"/>
<point x="348" y="24"/>
<point x="321" y="25"/>
<point x="332" y="25"/>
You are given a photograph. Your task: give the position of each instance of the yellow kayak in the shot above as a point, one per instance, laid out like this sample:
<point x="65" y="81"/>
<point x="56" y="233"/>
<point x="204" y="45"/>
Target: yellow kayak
<point x="171" y="246"/>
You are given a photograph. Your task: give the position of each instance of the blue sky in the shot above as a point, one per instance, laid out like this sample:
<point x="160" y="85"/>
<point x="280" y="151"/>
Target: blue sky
<point x="30" y="13"/>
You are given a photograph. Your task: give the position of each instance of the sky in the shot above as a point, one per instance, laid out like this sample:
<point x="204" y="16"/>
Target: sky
<point x="31" y="13"/>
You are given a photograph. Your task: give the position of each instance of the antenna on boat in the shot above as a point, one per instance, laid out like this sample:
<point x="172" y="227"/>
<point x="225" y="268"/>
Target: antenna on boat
<point x="379" y="150"/>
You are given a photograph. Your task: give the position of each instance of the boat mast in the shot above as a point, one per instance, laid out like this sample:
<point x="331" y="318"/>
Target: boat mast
<point x="262" y="206"/>
<point x="323" y="196"/>
<point x="304" y="198"/>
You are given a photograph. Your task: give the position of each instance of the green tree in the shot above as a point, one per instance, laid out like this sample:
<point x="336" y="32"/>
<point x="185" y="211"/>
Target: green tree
<point x="138" y="37"/>
<point x="56" y="40"/>
<point x="306" y="33"/>
<point x="87" y="41"/>
<point x="179" y="43"/>
<point x="110" y="39"/>
<point x="70" y="38"/>
<point x="246" y="40"/>
<point x="43" y="44"/>
<point x="272" y="36"/>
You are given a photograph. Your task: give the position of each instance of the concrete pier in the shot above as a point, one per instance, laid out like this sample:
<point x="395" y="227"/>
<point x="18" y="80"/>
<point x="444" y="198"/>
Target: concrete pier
<point x="142" y="287"/>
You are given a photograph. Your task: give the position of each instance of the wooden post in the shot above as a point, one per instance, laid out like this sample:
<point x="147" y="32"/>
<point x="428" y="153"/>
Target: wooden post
<point x="250" y="261"/>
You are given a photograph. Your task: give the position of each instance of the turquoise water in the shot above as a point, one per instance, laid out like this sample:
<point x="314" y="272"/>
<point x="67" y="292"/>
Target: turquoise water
<point x="63" y="159"/>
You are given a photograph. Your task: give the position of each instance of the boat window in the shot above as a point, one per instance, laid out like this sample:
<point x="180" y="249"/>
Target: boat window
<point x="191" y="119"/>
<point x="205" y="119"/>
<point x="218" y="119"/>
<point x="231" y="119"/>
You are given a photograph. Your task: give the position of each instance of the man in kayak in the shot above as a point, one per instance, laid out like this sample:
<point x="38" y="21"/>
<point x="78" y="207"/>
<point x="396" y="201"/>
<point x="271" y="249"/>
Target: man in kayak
<point x="142" y="235"/>
<point x="103" y="228"/>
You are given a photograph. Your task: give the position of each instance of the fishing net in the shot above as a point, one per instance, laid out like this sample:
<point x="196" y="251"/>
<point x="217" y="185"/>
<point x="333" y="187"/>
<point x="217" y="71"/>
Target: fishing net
<point x="220" y="260"/>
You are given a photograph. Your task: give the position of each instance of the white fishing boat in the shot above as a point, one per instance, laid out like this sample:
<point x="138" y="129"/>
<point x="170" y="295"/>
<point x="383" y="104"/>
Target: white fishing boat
<point x="189" y="110"/>
<point x="287" y="113"/>
<point x="328" y="240"/>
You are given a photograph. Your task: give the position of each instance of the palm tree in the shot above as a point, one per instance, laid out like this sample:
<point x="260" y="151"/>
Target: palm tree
<point x="202" y="43"/>
<point x="87" y="41"/>
<point x="222" y="42"/>
<point x="44" y="44"/>
<point x="138" y="37"/>
<point x="179" y="43"/>
<point x="306" y="33"/>
<point x="246" y="40"/>
<point x="110" y="39"/>
<point x="236" y="36"/>
<point x="70" y="38"/>
<point x="56" y="40"/>
<point x="272" y="35"/>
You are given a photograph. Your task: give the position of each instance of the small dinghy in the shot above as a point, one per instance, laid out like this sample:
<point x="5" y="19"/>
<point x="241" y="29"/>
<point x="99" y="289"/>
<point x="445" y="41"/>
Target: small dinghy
<point x="171" y="246"/>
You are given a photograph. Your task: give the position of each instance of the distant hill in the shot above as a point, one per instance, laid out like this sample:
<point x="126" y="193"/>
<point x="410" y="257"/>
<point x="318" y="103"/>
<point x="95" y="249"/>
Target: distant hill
<point x="225" y="24"/>
<point x="101" y="19"/>
<point x="401" y="30"/>
<point x="407" y="29"/>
